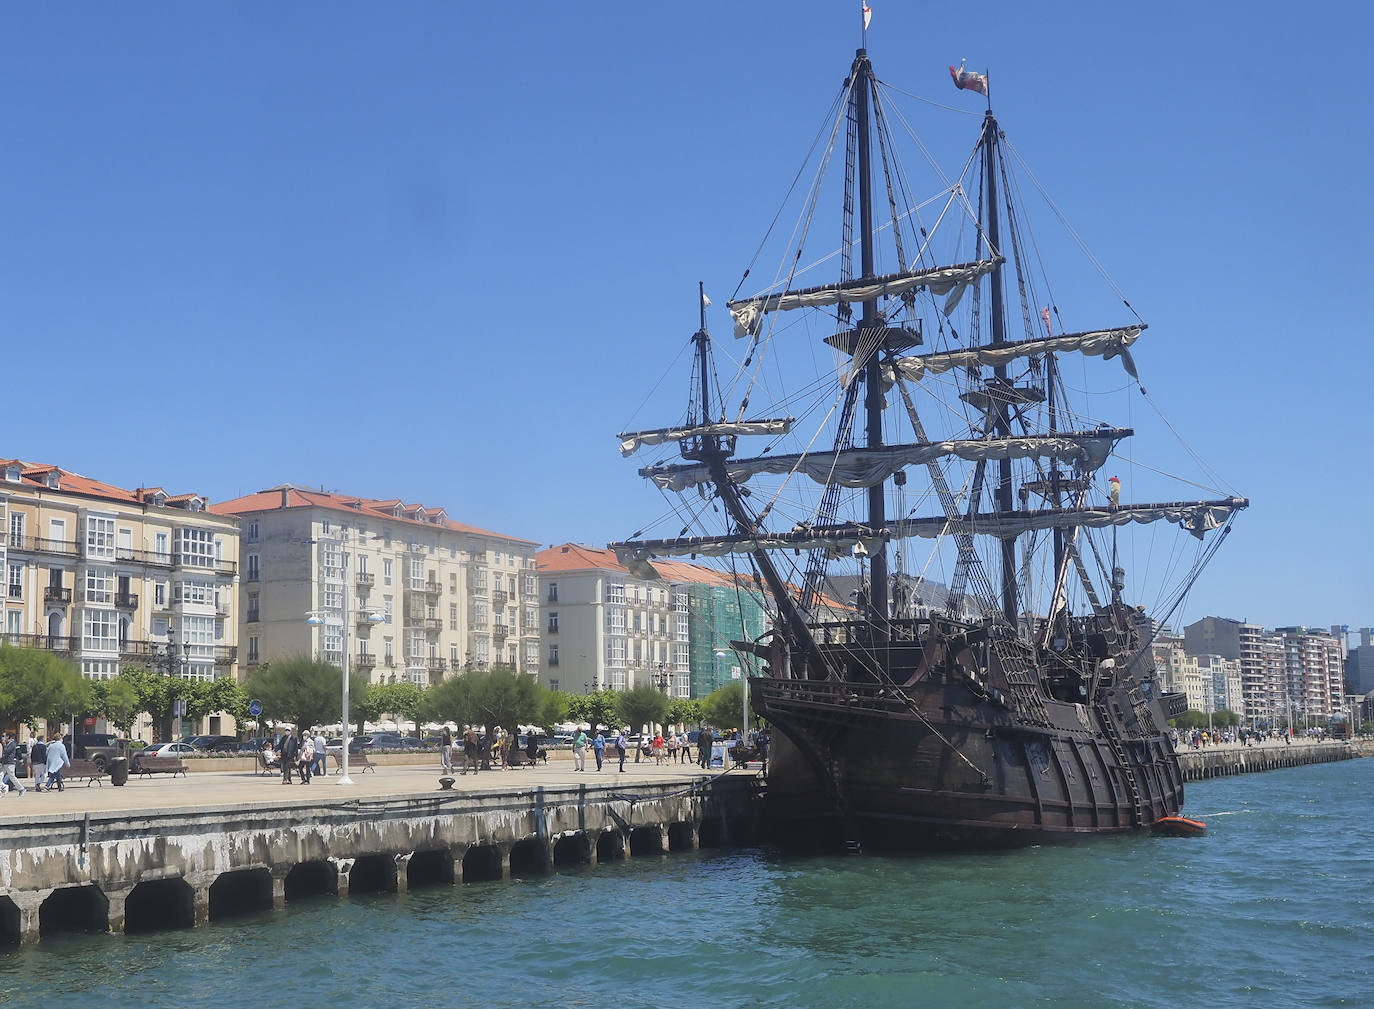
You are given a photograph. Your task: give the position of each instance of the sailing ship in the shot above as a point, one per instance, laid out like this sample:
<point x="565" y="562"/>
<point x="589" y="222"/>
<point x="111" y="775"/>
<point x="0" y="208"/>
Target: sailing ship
<point x="1026" y="707"/>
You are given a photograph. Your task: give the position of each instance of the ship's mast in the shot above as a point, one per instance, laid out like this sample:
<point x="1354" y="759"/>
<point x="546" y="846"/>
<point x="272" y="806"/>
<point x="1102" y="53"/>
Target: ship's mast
<point x="1001" y="396"/>
<point x="869" y="333"/>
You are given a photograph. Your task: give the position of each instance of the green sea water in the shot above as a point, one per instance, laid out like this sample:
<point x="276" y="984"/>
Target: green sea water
<point x="1273" y="907"/>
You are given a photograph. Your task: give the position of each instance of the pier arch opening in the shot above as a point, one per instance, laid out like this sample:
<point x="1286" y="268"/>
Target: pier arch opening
<point x="311" y="879"/>
<point x="10" y="923"/>
<point x="429" y="868"/>
<point x="74" y="909"/>
<point x="610" y="846"/>
<point x="711" y="833"/>
<point x="157" y="905"/>
<point x="681" y="837"/>
<point x="482" y="864"/>
<point x="529" y="857"/>
<point x="572" y="849"/>
<point x="373" y="874"/>
<point x="245" y="891"/>
<point x="646" y="841"/>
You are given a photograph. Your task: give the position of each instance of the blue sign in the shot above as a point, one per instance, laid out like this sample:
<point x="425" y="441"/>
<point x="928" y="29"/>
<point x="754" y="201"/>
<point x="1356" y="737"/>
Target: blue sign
<point x="255" y="708"/>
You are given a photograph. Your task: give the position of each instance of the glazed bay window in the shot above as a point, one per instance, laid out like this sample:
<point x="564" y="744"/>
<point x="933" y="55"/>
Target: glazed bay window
<point x="196" y="548"/>
<point x="99" y="630"/>
<point x="333" y="597"/>
<point x="194" y="591"/>
<point x="100" y="536"/>
<point x="100" y="584"/>
<point x="417" y="574"/>
<point x="615" y="592"/>
<point x="615" y="619"/>
<point x="331" y="643"/>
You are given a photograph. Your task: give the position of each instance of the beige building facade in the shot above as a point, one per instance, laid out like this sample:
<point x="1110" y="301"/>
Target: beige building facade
<point x="407" y="593"/>
<point x="109" y="577"/>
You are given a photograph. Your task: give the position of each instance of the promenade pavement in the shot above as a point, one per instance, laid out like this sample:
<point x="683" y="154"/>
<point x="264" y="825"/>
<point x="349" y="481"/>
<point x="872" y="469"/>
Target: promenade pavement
<point x="161" y="792"/>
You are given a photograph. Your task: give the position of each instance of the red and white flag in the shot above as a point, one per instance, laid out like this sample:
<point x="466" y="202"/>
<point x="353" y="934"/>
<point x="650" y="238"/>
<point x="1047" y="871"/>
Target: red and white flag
<point x="968" y="80"/>
<point x="1045" y="315"/>
<point x="868" y="15"/>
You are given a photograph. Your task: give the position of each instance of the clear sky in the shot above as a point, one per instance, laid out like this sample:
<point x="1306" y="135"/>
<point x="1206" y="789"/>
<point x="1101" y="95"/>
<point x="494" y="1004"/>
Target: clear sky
<point x="444" y="251"/>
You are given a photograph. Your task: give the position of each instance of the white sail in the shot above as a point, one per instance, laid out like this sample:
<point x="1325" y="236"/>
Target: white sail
<point x="941" y="280"/>
<point x="868" y="467"/>
<point x="1104" y="343"/>
<point x="632" y="441"/>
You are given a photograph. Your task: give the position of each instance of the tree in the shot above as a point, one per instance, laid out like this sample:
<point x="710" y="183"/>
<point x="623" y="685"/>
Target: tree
<point x="117" y="700"/>
<point x="499" y="697"/>
<point x="300" y="690"/>
<point x="36" y="684"/>
<point x="451" y="701"/>
<point x="684" y="711"/>
<point x="557" y="708"/>
<point x="723" y="708"/>
<point x="643" y="705"/>
<point x="158" y="694"/>
<point x="603" y="708"/>
<point x="399" y="699"/>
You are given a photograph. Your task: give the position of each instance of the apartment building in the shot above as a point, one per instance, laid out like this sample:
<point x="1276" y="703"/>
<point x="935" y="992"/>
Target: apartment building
<point x="108" y="577"/>
<point x="408" y="592"/>
<point x="1314" y="667"/>
<point x="1261" y="658"/>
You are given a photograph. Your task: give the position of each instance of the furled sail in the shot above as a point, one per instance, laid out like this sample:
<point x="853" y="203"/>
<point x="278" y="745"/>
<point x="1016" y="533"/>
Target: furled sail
<point x="1197" y="517"/>
<point x="1104" y="343"/>
<point x="942" y="280"/>
<point x="631" y="441"/>
<point x="868" y="467"/>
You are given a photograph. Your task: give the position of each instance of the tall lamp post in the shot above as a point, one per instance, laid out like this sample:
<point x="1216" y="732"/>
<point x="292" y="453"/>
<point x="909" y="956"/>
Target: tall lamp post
<point x="319" y="617"/>
<point x="172" y="663"/>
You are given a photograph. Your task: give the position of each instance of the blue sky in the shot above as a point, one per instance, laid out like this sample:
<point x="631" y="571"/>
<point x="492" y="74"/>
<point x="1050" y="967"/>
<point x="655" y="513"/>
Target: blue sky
<point x="444" y="251"/>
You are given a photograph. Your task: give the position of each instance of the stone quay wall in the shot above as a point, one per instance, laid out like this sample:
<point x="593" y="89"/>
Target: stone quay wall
<point x="139" y="871"/>
<point x="1215" y="761"/>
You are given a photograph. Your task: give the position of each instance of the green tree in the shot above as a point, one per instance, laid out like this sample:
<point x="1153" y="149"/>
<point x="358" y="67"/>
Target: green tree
<point x="643" y="705"/>
<point x="557" y="708"/>
<point x="300" y="690"/>
<point x="684" y="711"/>
<point x="37" y="684"/>
<point x="603" y="708"/>
<point x="723" y="708"/>
<point x="158" y="694"/>
<point x="451" y="701"/>
<point x="503" y="697"/>
<point x="401" y="700"/>
<point x="360" y="701"/>
<point x="117" y="700"/>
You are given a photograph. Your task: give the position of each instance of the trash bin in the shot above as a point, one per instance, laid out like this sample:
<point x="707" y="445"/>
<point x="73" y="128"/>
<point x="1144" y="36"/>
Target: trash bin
<point x="119" y="770"/>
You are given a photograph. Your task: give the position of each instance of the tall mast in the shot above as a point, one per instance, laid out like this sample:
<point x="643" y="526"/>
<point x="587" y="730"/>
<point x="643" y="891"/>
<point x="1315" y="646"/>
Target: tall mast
<point x="1001" y="397"/>
<point x="868" y="332"/>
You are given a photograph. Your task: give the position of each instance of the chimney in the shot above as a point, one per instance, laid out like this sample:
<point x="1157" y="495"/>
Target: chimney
<point x="285" y="493"/>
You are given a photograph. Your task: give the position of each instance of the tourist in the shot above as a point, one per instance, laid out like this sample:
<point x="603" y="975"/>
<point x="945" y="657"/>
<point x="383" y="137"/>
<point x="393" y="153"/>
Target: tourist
<point x="684" y="748"/>
<point x="446" y="751"/>
<point x="469" y="749"/>
<point x="704" y="741"/>
<point x="580" y="751"/>
<point x="320" y="755"/>
<point x="763" y="740"/>
<point x="38" y="761"/>
<point x="671" y="740"/>
<point x="599" y="747"/>
<point x="9" y="759"/>
<point x="621" y="745"/>
<point x="306" y="757"/>
<point x="289" y="750"/>
<point x="56" y="760"/>
<point x="660" y="748"/>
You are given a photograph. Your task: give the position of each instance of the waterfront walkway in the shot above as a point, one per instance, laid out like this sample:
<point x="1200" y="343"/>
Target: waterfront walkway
<point x="162" y="792"/>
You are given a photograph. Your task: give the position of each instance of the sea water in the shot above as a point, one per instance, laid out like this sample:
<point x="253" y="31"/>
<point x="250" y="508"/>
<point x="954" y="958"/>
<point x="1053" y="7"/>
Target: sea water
<point x="1274" y="906"/>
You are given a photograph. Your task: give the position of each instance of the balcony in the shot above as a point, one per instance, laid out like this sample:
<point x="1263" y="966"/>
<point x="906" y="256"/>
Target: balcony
<point x="129" y="601"/>
<point x="226" y="655"/>
<point x="432" y="625"/>
<point x="365" y="580"/>
<point x="161" y="560"/>
<point x="437" y="665"/>
<point x="498" y="632"/>
<point x="56" y="595"/>
<point x="477" y="623"/>
<point x="364" y="660"/>
<point x="58" y="643"/>
<point x="42" y="545"/>
<point x="433" y="588"/>
<point x="499" y="598"/>
<point x="199" y="562"/>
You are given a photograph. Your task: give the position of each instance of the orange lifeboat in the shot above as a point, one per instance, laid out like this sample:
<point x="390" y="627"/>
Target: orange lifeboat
<point x="1179" y="826"/>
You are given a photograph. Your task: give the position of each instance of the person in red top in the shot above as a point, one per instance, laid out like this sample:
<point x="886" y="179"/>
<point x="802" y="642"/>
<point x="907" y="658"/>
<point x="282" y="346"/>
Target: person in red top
<point x="659" y="750"/>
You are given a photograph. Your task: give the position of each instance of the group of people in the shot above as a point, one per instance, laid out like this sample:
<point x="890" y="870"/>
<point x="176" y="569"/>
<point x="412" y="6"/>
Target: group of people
<point x="303" y="751"/>
<point x="662" y="746"/>
<point x="46" y="761"/>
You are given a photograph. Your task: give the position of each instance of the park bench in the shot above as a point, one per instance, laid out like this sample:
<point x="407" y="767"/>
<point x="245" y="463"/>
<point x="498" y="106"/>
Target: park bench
<point x="519" y="758"/>
<point x="265" y="766"/>
<point x="92" y="771"/>
<point x="161" y="765"/>
<point x="356" y="762"/>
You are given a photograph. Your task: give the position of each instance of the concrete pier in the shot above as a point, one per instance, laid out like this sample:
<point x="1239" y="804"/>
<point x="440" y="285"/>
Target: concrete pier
<point x="134" y="870"/>
<point x="1215" y="761"/>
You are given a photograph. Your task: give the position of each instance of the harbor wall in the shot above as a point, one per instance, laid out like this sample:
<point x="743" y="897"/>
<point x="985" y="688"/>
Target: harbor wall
<point x="140" y="871"/>
<point x="1213" y="762"/>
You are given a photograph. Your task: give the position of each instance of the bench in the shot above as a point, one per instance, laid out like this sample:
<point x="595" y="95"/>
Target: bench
<point x="356" y="762"/>
<point x="519" y="758"/>
<point x="161" y="765"/>
<point x="88" y="769"/>
<point x="265" y="766"/>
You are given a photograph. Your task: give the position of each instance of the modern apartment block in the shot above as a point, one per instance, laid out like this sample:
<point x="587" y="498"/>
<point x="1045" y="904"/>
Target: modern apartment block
<point x="410" y="593"/>
<point x="1314" y="666"/>
<point x="108" y="577"/>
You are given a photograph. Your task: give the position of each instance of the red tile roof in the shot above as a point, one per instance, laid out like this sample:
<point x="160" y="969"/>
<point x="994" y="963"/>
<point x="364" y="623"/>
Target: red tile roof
<point x="577" y="557"/>
<point x="351" y="504"/>
<point x="34" y="474"/>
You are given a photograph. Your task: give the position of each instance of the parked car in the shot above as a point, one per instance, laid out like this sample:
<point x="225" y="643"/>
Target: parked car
<point x="96" y="746"/>
<point x="232" y="746"/>
<point x="383" y="741"/>
<point x="209" y="742"/>
<point x="161" y="750"/>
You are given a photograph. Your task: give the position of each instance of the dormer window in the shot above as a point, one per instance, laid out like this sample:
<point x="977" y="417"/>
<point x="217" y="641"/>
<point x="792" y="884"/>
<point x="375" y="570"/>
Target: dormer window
<point x="160" y="499"/>
<point x="13" y="473"/>
<point x="399" y="512"/>
<point x="53" y="479"/>
<point x="196" y="504"/>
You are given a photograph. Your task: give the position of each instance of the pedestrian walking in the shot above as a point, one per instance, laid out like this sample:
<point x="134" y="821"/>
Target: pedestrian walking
<point x="469" y="749"/>
<point x="599" y="748"/>
<point x="580" y="751"/>
<point x="621" y="745"/>
<point x="9" y="760"/>
<point x="671" y="739"/>
<point x="38" y="761"/>
<point x="446" y="751"/>
<point x="289" y="752"/>
<point x="57" y="760"/>
<point x="306" y="758"/>
<point x="320" y="755"/>
<point x="704" y="741"/>
<point x="684" y="749"/>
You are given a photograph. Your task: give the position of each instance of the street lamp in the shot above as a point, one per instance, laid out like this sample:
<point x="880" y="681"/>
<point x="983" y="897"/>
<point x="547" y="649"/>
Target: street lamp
<point x="172" y="663"/>
<point x="372" y="617"/>
<point x="661" y="680"/>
